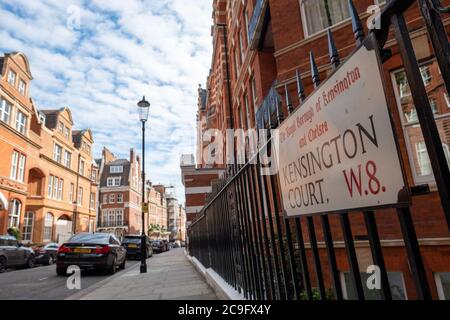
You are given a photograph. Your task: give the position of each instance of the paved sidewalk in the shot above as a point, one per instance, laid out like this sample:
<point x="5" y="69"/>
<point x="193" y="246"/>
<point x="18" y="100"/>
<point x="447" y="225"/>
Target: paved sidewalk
<point x="170" y="276"/>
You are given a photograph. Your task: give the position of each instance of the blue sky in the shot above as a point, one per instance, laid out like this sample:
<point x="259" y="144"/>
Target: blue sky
<point x="99" y="58"/>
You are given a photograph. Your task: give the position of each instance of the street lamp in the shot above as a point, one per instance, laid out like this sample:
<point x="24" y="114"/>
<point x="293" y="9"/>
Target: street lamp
<point x="144" y="107"/>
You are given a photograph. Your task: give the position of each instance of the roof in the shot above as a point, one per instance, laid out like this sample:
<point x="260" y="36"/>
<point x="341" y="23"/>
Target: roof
<point x="125" y="175"/>
<point x="1" y="64"/>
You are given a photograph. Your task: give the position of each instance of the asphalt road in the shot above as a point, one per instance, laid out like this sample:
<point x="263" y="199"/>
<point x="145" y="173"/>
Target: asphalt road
<point x="42" y="283"/>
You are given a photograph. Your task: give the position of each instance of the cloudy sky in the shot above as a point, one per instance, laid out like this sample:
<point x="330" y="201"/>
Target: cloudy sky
<point x="99" y="57"/>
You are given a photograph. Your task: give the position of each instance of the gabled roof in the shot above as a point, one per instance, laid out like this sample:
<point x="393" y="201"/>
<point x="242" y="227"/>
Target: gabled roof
<point x="51" y="116"/>
<point x="21" y="60"/>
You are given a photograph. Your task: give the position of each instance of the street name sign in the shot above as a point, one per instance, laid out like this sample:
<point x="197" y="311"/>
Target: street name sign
<point x="338" y="152"/>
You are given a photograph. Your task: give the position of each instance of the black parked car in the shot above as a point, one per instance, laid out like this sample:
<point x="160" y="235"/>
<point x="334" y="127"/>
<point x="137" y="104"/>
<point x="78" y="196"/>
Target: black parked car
<point x="159" y="246"/>
<point x="13" y="254"/>
<point x="46" y="254"/>
<point x="132" y="243"/>
<point x="99" y="251"/>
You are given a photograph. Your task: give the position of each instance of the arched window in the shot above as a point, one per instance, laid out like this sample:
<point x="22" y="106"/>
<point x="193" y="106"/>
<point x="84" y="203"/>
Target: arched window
<point x="14" y="213"/>
<point x="48" y="227"/>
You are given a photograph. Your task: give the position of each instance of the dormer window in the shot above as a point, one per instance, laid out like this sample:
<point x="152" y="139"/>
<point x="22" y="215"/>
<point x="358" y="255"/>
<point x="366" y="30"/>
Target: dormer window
<point x="22" y="87"/>
<point x="66" y="132"/>
<point x="12" y="78"/>
<point x="60" y="127"/>
<point x="116" y="169"/>
<point x="42" y="117"/>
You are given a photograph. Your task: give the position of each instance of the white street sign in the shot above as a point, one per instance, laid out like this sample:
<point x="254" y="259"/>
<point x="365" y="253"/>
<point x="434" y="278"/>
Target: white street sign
<point x="337" y="151"/>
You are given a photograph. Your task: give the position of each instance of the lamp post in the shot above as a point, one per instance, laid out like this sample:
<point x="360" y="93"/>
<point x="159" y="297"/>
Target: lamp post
<point x="144" y="107"/>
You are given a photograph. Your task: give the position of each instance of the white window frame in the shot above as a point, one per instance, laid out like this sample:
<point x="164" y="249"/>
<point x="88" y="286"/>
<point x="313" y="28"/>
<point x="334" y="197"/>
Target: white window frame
<point x="22" y="87"/>
<point x="28" y="222"/>
<point x="71" y="192"/>
<point x="14" y="213"/>
<point x="14" y="165"/>
<point x="80" y="197"/>
<point x="60" y="189"/>
<point x="81" y="167"/>
<point x="439" y="286"/>
<point x="55" y="188"/>
<point x="57" y="153"/>
<point x="50" y="186"/>
<point x="12" y="76"/>
<point x="112" y="198"/>
<point x="116" y="169"/>
<point x="21" y="168"/>
<point x="92" y="201"/>
<point x="21" y="122"/>
<point x="5" y="111"/>
<point x="48" y="226"/>
<point x="67" y="159"/>
<point x="306" y="32"/>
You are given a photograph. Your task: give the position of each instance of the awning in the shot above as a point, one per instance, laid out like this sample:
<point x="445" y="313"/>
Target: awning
<point x="3" y="202"/>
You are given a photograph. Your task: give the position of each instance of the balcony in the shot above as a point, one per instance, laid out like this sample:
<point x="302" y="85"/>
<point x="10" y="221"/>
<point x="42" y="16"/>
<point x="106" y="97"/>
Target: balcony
<point x="255" y="27"/>
<point x="267" y="112"/>
<point x="112" y="224"/>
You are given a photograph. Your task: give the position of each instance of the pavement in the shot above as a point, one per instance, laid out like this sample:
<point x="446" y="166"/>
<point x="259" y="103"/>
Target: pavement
<point x="170" y="276"/>
<point x="42" y="283"/>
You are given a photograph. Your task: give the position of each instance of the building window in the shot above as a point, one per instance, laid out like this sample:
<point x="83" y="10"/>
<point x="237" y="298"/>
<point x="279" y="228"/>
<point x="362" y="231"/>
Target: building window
<point x="14" y="213"/>
<point x="396" y="283"/>
<point x="112" y="198"/>
<point x="247" y="111"/>
<point x="17" y="166"/>
<point x="66" y="132"/>
<point x="80" y="196"/>
<point x="81" y="168"/>
<point x="22" y="87"/>
<point x="67" y="159"/>
<point x="426" y="75"/>
<point x="21" y="122"/>
<point x="246" y="25"/>
<point x="28" y="223"/>
<point x="57" y="153"/>
<point x="105" y="199"/>
<point x="443" y="285"/>
<point x="94" y="175"/>
<point x="50" y="186"/>
<point x="113" y="182"/>
<point x="91" y="226"/>
<point x="119" y="198"/>
<point x="71" y="192"/>
<point x="5" y="111"/>
<point x="416" y="147"/>
<point x="241" y="45"/>
<point x="60" y="189"/>
<point x="111" y="218"/>
<point x="318" y="15"/>
<point x="255" y="96"/>
<point x="55" y="188"/>
<point x="12" y="78"/>
<point x="60" y="127"/>
<point x="236" y="64"/>
<point x="48" y="227"/>
<point x="92" y="201"/>
<point x="119" y="217"/>
<point x="116" y="169"/>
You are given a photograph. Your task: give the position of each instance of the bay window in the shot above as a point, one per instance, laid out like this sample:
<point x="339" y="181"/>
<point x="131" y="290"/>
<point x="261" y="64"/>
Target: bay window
<point x="28" y="223"/>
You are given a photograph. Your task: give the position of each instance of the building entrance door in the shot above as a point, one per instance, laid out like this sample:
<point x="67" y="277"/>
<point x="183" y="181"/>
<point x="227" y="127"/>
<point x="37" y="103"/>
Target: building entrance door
<point x="63" y="230"/>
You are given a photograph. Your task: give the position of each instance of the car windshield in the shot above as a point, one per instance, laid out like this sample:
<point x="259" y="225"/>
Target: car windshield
<point x="132" y="240"/>
<point x="90" y="238"/>
<point x="156" y="243"/>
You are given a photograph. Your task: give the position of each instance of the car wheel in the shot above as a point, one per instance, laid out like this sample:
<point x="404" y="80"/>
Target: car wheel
<point x="50" y="260"/>
<point x="2" y="264"/>
<point x="30" y="262"/>
<point x="112" y="268"/>
<point x="122" y="265"/>
<point x="61" y="271"/>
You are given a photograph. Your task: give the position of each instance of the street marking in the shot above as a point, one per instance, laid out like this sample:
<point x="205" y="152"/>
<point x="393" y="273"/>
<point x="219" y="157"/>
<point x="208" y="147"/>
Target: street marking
<point x="43" y="279"/>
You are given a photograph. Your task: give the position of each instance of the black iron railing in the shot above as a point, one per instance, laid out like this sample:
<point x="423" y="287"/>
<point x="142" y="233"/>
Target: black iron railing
<point x="242" y="234"/>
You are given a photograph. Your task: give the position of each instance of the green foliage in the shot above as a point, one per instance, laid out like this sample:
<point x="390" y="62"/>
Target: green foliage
<point x="316" y="294"/>
<point x="15" y="233"/>
<point x="154" y="228"/>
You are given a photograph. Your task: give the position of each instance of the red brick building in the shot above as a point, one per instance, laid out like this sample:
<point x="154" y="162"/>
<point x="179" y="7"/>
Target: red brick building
<point x="259" y="45"/>
<point x="120" y="197"/>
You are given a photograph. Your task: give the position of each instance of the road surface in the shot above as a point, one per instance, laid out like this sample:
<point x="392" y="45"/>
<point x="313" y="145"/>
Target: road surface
<point x="42" y="283"/>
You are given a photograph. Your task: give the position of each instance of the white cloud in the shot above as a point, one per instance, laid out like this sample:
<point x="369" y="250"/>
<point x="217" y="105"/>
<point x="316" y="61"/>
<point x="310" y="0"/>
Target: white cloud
<point x="121" y="51"/>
